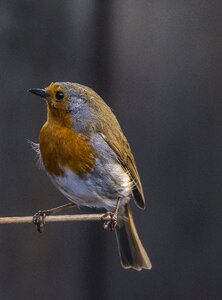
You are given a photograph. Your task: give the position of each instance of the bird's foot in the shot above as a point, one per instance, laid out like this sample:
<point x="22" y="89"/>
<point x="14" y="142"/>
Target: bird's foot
<point x="39" y="219"/>
<point x="109" y="220"/>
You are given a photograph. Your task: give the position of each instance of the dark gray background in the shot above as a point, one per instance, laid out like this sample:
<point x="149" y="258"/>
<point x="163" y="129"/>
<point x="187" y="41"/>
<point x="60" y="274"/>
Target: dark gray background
<point x="158" y="64"/>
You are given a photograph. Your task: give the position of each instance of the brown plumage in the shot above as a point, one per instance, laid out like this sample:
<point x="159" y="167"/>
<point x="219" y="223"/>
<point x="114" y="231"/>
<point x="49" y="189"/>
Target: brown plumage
<point x="77" y="146"/>
<point x="66" y="148"/>
<point x="131" y="251"/>
<point x="109" y="127"/>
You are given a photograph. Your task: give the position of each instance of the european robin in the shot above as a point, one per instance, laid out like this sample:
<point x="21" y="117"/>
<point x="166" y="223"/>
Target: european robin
<point x="87" y="157"/>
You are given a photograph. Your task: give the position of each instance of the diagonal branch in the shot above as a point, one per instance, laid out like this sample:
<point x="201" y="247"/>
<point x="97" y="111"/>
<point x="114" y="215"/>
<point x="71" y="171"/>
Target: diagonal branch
<point x="62" y="218"/>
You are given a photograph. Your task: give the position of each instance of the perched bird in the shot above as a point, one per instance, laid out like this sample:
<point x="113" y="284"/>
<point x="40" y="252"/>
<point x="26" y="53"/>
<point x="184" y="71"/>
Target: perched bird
<point x="87" y="157"/>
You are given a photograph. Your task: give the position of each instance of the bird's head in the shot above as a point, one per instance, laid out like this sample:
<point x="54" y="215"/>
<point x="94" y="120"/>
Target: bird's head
<point x="71" y="104"/>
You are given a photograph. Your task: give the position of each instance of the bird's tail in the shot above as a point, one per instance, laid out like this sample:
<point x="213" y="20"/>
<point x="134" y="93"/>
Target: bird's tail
<point x="131" y="251"/>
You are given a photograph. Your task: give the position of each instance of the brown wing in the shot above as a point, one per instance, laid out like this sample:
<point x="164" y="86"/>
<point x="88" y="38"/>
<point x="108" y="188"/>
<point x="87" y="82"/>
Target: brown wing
<point x="121" y="147"/>
<point x="107" y="125"/>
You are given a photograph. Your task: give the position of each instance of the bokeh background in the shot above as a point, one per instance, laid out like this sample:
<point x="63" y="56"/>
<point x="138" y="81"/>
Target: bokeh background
<point x="157" y="63"/>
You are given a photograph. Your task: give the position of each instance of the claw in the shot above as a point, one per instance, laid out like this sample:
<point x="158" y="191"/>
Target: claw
<point x="107" y="217"/>
<point x="39" y="219"/>
<point x="110" y="218"/>
<point x="110" y="221"/>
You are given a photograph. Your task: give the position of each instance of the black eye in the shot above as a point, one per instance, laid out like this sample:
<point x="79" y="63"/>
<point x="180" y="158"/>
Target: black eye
<point x="59" y="95"/>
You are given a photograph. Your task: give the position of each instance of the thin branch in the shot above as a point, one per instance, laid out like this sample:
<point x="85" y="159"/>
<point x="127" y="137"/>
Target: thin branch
<point x="61" y="218"/>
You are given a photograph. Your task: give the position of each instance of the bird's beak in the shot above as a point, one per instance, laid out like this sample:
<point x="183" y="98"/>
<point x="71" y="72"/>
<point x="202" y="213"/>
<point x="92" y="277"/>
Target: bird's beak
<point x="39" y="92"/>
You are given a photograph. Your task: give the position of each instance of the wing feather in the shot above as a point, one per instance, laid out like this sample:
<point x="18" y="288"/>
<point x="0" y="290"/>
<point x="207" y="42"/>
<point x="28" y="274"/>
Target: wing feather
<point x="127" y="161"/>
<point x="106" y="124"/>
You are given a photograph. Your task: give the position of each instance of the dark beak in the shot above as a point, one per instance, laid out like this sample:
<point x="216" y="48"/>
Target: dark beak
<point x="39" y="92"/>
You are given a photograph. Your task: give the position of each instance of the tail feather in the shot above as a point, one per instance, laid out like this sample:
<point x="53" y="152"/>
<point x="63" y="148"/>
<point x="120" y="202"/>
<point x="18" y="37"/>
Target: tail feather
<point x="131" y="251"/>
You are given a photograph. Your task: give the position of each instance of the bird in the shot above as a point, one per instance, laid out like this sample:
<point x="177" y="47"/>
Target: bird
<point x="88" y="159"/>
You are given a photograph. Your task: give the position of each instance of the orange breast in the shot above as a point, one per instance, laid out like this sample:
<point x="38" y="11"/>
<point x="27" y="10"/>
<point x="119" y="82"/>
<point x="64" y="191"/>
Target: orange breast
<point x="63" y="147"/>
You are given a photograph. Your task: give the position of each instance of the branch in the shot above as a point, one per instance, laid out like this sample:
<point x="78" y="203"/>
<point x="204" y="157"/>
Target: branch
<point x="61" y="218"/>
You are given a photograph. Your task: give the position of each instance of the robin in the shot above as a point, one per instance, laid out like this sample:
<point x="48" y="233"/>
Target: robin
<point x="87" y="157"/>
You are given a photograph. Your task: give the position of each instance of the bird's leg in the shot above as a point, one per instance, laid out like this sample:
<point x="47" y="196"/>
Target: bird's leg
<point x="110" y="218"/>
<point x="39" y="219"/>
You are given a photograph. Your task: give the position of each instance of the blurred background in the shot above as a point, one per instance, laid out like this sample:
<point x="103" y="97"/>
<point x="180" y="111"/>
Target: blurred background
<point x="158" y="65"/>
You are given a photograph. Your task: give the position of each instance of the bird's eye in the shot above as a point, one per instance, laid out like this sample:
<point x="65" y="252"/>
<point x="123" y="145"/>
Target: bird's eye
<point x="59" y="95"/>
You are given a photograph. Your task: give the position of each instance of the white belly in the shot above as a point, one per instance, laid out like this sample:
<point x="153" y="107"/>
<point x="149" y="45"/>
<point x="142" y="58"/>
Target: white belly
<point x="95" y="189"/>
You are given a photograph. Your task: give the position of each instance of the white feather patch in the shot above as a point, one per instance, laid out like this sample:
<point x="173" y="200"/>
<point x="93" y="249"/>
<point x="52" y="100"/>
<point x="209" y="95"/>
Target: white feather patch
<point x="36" y="148"/>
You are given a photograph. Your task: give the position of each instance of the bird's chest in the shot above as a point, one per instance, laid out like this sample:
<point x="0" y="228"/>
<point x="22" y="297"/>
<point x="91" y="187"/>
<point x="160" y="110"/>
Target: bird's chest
<point x="62" y="147"/>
